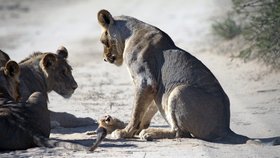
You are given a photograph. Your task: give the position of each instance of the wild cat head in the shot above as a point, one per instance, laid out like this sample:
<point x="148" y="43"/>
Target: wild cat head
<point x="111" y="38"/>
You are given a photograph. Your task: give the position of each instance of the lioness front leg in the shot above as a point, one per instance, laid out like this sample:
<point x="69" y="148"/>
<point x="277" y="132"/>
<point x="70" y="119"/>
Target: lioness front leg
<point x="149" y="114"/>
<point x="142" y="101"/>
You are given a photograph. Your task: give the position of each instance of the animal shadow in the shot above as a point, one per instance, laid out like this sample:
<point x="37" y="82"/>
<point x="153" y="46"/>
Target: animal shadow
<point x="67" y="120"/>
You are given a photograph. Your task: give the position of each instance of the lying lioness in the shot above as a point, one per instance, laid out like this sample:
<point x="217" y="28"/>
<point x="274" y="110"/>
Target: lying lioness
<point x="24" y="124"/>
<point x="167" y="79"/>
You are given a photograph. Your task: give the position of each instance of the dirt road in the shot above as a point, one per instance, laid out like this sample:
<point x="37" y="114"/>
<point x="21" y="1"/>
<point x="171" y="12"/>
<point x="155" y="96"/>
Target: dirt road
<point x="28" y="26"/>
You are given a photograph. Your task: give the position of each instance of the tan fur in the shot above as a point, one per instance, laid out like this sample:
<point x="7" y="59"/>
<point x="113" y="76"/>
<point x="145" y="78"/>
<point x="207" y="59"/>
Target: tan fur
<point x="111" y="123"/>
<point x="46" y="72"/>
<point x="107" y="125"/>
<point x="49" y="71"/>
<point x="166" y="79"/>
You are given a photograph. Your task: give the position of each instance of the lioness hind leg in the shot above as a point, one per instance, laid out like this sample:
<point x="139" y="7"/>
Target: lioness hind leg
<point x="37" y="99"/>
<point x="160" y="133"/>
<point x="204" y="115"/>
<point x="149" y="114"/>
<point x="157" y="133"/>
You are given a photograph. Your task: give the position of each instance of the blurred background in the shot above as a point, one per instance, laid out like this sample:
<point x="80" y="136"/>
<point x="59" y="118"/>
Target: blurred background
<point x="238" y="40"/>
<point x="250" y="28"/>
<point x="38" y="25"/>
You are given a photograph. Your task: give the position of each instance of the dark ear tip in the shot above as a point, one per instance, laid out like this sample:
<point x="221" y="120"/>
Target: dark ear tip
<point x="50" y="56"/>
<point x="49" y="59"/>
<point x="62" y="51"/>
<point x="6" y="56"/>
<point x="103" y="12"/>
<point x="12" y="63"/>
<point x="105" y="18"/>
<point x="62" y="48"/>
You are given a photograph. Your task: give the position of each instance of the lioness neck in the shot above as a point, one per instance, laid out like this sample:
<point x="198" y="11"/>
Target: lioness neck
<point x="140" y="34"/>
<point x="32" y="80"/>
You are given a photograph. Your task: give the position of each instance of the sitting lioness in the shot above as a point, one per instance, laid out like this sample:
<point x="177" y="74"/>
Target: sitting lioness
<point x="168" y="79"/>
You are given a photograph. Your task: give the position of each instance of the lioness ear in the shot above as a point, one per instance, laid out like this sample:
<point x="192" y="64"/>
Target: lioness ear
<point x="105" y="18"/>
<point x="4" y="58"/>
<point x="4" y="55"/>
<point x="62" y="51"/>
<point x="11" y="69"/>
<point x="48" y="60"/>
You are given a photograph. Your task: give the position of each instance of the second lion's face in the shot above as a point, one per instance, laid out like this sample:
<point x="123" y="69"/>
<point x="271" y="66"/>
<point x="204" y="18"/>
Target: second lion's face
<point x="111" y="38"/>
<point x="112" y="47"/>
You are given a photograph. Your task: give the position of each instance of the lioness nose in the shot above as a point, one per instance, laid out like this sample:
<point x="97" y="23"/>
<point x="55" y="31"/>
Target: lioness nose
<point x="75" y="86"/>
<point x="113" y="58"/>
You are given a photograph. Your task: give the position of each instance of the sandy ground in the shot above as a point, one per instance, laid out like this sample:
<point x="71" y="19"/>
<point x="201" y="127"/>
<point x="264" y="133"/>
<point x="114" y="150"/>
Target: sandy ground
<point x="29" y="25"/>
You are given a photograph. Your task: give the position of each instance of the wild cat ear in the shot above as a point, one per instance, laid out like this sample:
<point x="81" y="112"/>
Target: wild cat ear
<point x="4" y="56"/>
<point x="105" y="18"/>
<point x="11" y="69"/>
<point x="62" y="51"/>
<point x="48" y="60"/>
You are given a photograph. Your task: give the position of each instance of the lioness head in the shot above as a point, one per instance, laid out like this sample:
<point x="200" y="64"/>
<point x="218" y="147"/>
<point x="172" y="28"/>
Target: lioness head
<point x="4" y="58"/>
<point x="58" y="72"/>
<point x="111" y="38"/>
<point x="9" y="79"/>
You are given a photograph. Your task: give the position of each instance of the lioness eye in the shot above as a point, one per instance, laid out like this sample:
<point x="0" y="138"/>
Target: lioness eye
<point x="105" y="42"/>
<point x="107" y="118"/>
<point x="104" y="39"/>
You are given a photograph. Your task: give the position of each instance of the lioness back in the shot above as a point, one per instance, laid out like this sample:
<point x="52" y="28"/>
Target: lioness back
<point x="180" y="67"/>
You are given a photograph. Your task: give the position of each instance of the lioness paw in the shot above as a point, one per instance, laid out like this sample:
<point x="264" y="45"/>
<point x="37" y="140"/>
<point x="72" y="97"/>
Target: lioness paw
<point x="119" y="134"/>
<point x="146" y="135"/>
